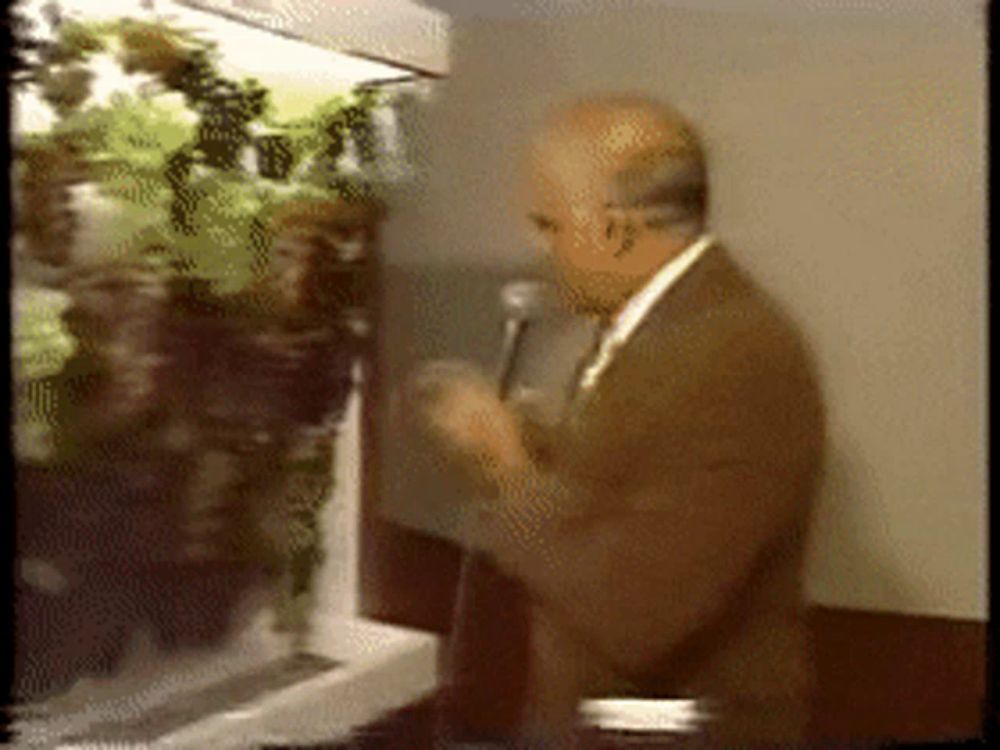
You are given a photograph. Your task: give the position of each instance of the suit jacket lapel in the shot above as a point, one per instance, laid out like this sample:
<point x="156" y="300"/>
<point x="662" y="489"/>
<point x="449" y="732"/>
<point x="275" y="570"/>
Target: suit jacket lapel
<point x="711" y="281"/>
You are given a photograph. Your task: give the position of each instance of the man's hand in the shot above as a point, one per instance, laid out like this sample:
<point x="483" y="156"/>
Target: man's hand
<point x="460" y="408"/>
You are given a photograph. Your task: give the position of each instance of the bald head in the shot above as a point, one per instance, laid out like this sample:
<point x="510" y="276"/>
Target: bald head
<point x="615" y="128"/>
<point x="616" y="187"/>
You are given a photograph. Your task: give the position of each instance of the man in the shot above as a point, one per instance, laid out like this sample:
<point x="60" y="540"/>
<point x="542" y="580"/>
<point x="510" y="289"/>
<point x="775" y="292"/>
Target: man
<point x="658" y="532"/>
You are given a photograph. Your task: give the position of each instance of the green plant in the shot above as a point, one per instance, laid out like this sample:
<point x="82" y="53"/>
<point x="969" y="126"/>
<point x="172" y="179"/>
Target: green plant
<point x="180" y="188"/>
<point x="42" y="344"/>
<point x="177" y="312"/>
<point x="41" y="341"/>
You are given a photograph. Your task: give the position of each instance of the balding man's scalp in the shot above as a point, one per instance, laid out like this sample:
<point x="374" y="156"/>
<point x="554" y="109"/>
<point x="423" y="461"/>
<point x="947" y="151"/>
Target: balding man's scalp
<point x="612" y="116"/>
<point x="654" y="156"/>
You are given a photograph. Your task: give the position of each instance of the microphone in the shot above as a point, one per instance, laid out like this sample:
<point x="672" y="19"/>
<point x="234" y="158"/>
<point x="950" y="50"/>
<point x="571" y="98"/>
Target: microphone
<point x="522" y="301"/>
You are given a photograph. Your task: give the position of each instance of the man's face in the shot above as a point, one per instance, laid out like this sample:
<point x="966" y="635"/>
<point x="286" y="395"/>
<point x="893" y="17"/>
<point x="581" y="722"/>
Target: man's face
<point x="602" y="253"/>
<point x="569" y="220"/>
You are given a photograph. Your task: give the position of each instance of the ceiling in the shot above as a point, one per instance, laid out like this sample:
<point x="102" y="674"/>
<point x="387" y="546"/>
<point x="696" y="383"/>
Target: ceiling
<point x="401" y="32"/>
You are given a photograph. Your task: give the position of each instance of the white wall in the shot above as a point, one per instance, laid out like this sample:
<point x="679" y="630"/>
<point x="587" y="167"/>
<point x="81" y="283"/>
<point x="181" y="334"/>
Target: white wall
<point x="847" y="151"/>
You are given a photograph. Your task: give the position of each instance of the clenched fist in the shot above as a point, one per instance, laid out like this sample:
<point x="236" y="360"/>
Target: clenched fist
<point x="459" y="407"/>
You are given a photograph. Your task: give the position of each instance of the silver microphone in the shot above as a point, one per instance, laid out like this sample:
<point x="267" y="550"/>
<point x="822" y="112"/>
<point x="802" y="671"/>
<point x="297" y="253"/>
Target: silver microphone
<point x="522" y="301"/>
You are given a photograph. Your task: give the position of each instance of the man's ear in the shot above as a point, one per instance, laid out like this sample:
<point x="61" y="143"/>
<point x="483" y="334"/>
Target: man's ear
<point x="629" y="233"/>
<point x="687" y="224"/>
<point x="624" y="227"/>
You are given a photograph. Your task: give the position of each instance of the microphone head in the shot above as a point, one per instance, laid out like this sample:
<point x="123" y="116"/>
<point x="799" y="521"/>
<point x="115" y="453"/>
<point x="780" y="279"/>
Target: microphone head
<point x="526" y="299"/>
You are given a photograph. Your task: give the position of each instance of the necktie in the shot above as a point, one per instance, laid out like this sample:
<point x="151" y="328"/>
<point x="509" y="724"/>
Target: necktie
<point x="580" y="383"/>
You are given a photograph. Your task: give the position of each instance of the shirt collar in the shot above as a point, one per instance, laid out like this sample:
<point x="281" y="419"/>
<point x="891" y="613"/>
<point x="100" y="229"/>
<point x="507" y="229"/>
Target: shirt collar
<point x="638" y="307"/>
<point x="639" y="304"/>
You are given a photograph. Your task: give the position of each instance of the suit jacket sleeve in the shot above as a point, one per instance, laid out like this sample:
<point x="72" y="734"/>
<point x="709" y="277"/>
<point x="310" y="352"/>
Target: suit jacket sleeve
<point x="699" y="465"/>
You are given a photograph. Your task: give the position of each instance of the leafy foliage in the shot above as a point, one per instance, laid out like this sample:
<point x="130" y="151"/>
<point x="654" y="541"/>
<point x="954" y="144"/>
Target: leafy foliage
<point x="41" y="341"/>
<point x="79" y="40"/>
<point x="129" y="142"/>
<point x="225" y="243"/>
<point x="187" y="199"/>
<point x="181" y="188"/>
<point x="42" y="344"/>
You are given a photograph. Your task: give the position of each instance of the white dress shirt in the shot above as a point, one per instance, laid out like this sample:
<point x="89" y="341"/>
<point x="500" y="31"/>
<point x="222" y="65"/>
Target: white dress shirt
<point x="638" y="306"/>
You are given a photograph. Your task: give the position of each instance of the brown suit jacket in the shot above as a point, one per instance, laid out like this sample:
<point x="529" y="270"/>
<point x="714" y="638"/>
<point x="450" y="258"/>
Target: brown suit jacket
<point x="661" y="549"/>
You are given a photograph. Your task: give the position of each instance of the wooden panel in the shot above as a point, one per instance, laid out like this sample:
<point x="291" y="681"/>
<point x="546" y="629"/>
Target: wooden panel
<point x="898" y="676"/>
<point x="407" y="578"/>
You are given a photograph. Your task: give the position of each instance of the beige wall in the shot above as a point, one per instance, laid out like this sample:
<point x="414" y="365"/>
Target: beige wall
<point x="847" y="151"/>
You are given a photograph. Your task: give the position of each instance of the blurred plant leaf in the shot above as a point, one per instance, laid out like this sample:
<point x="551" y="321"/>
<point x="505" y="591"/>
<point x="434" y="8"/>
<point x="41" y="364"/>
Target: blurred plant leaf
<point x="224" y="247"/>
<point x="78" y="39"/>
<point x="41" y="341"/>
<point x="36" y="419"/>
